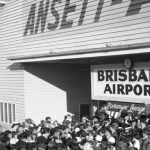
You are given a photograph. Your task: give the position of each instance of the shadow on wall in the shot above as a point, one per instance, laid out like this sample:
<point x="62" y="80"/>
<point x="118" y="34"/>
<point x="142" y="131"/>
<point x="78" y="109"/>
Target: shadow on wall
<point x="15" y="67"/>
<point x="73" y="79"/>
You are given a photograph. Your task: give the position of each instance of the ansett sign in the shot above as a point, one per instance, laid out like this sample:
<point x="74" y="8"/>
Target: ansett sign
<point x="120" y="83"/>
<point x="52" y="15"/>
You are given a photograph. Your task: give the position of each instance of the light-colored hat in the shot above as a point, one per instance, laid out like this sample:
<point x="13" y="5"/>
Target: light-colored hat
<point x="98" y="138"/>
<point x="111" y="140"/>
<point x="77" y="129"/>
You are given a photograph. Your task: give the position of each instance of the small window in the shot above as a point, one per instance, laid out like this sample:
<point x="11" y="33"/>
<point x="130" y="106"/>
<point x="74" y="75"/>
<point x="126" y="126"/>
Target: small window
<point x="14" y="113"/>
<point x="2" y="114"/>
<point x="10" y="114"/>
<point x="6" y="113"/>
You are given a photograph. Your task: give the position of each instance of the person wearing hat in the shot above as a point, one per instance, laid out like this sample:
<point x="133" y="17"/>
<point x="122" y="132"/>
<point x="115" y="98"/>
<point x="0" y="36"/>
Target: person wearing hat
<point x="143" y="123"/>
<point x="41" y="146"/>
<point x="48" y="118"/>
<point x="145" y="142"/>
<point x="122" y="143"/>
<point x="4" y="142"/>
<point x="111" y="143"/>
<point x="88" y="146"/>
<point x="22" y="141"/>
<point x="13" y="139"/>
<point x="97" y="144"/>
<point x="44" y="137"/>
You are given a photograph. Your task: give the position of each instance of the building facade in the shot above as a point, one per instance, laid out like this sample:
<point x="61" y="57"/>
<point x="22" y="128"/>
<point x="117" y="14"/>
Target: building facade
<point x="55" y="54"/>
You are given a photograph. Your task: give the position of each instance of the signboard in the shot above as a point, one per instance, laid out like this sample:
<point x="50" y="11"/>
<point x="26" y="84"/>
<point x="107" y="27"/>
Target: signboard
<point x="38" y="13"/>
<point x="117" y="83"/>
<point x="52" y="8"/>
<point x="67" y="25"/>
<point x="117" y="106"/>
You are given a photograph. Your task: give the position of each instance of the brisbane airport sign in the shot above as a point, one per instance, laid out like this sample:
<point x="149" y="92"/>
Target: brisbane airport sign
<point x="44" y="10"/>
<point x="120" y="83"/>
<point x="123" y="76"/>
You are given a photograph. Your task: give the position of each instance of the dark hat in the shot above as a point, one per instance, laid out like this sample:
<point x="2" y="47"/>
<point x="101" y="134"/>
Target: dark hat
<point x="133" y="120"/>
<point x="116" y="122"/>
<point x="4" y="139"/>
<point x="143" y="120"/>
<point x="46" y="118"/>
<point x="29" y="121"/>
<point x="7" y="132"/>
<point x="42" y="145"/>
<point x="45" y="130"/>
<point x="82" y="133"/>
<point x="23" y="135"/>
<point x="63" y="127"/>
<point x="121" y="144"/>
<point x="146" y="130"/>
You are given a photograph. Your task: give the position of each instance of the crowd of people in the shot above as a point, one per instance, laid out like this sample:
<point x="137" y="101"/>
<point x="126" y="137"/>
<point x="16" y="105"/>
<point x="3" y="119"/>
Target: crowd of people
<point x="127" y="131"/>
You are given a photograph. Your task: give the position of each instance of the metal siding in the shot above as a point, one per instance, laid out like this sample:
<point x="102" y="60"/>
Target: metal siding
<point x="114" y="27"/>
<point x="11" y="80"/>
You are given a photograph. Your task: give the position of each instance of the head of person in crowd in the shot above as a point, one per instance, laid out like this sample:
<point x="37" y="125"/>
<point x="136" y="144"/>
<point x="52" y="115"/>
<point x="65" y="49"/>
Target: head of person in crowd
<point x="48" y="118"/>
<point x="41" y="146"/>
<point x="111" y="142"/>
<point x="66" y="135"/>
<point x="108" y="132"/>
<point x="143" y="123"/>
<point x="8" y="134"/>
<point x="146" y="133"/>
<point x="4" y="140"/>
<point x="23" y="136"/>
<point x="133" y="123"/>
<point x="29" y="121"/>
<point x="55" y="123"/>
<point x="101" y="132"/>
<point x="84" y="119"/>
<point x="68" y="118"/>
<point x="20" y="129"/>
<point x="90" y="136"/>
<point x="95" y="119"/>
<point x="123" y="143"/>
<point x="45" y="132"/>
<point x="14" y="138"/>
<point x="98" y="140"/>
<point x="31" y="137"/>
<point x="57" y="133"/>
<point x="48" y="124"/>
<point x="88" y="146"/>
<point x="72" y="145"/>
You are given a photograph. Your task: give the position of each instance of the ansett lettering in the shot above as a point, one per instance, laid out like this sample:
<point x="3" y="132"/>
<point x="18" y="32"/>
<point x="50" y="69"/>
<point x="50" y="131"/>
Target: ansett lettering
<point x="37" y="22"/>
<point x="135" y="77"/>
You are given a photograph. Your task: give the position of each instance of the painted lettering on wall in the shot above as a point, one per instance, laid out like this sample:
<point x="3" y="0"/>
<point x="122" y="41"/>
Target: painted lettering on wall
<point x="117" y="106"/>
<point x="37" y="23"/>
<point x="124" y="82"/>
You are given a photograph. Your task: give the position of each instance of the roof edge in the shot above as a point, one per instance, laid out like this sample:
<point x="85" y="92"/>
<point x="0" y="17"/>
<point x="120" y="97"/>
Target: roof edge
<point x="83" y="51"/>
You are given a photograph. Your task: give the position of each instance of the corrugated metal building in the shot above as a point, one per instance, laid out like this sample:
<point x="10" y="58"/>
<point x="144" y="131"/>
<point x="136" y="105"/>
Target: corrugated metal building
<point x="48" y="47"/>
